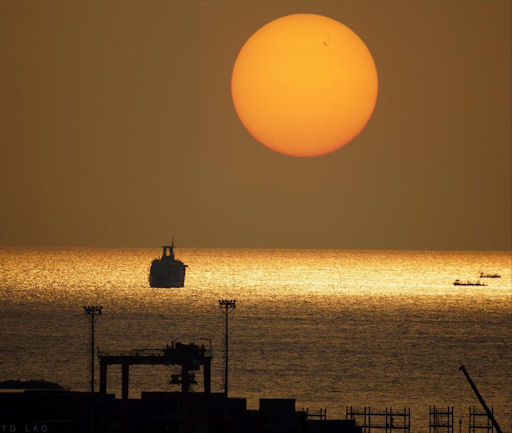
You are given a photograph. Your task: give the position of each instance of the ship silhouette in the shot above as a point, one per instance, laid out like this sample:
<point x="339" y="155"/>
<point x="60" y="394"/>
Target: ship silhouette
<point x="166" y="271"/>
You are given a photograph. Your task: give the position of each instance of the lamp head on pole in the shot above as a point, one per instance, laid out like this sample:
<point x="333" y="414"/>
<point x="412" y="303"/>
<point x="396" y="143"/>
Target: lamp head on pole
<point x="227" y="303"/>
<point x="92" y="310"/>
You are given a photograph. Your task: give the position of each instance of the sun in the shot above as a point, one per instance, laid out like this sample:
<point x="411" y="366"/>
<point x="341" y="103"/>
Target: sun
<point x="304" y="85"/>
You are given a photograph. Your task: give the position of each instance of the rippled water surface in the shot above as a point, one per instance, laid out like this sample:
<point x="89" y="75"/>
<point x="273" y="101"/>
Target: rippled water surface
<point x="330" y="328"/>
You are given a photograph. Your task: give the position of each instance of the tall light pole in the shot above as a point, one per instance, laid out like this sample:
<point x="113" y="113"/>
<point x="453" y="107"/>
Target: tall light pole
<point x="93" y="312"/>
<point x="226" y="304"/>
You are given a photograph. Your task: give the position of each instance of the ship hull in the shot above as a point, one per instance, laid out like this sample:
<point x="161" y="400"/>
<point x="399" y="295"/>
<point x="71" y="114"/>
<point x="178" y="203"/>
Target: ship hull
<point x="167" y="273"/>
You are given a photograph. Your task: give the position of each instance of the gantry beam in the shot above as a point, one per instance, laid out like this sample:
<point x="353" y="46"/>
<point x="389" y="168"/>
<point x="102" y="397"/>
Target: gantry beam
<point x="190" y="357"/>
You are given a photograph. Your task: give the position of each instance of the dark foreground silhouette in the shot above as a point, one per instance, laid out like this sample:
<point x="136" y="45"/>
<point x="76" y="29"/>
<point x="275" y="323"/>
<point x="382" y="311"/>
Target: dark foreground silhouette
<point x="67" y="411"/>
<point x="29" y="384"/>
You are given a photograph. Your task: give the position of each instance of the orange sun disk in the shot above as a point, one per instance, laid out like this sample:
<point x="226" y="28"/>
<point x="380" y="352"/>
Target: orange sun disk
<point x="304" y="85"/>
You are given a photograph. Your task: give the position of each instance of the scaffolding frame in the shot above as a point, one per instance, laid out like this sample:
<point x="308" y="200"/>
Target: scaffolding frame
<point x="369" y="419"/>
<point x="475" y="416"/>
<point x="440" y="420"/>
<point x="321" y="414"/>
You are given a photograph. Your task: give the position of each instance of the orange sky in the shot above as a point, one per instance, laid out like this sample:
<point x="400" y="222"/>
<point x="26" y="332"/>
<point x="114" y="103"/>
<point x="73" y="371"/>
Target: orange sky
<point x="117" y="128"/>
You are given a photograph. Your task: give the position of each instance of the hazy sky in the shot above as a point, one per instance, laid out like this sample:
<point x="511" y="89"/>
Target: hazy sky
<point x="117" y="128"/>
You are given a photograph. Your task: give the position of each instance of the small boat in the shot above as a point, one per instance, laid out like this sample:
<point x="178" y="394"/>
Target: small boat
<point x="166" y="271"/>
<point x="458" y="282"/>
<point x="482" y="275"/>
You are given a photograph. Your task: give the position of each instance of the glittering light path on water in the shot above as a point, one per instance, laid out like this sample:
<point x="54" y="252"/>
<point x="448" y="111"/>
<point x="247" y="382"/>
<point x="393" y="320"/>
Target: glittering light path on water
<point x="329" y="328"/>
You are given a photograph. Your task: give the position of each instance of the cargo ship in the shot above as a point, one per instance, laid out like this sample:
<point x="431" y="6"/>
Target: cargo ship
<point x="167" y="271"/>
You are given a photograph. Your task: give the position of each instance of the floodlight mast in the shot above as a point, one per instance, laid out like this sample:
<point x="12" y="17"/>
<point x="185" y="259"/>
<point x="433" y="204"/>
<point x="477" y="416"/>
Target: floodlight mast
<point x="226" y="304"/>
<point x="93" y="312"/>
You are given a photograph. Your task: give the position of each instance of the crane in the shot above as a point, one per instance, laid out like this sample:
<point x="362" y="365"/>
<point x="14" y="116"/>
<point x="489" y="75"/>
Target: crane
<point x="480" y="399"/>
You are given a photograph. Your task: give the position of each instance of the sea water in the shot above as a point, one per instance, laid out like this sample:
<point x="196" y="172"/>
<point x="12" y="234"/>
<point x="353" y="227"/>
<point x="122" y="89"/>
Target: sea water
<point x="330" y="328"/>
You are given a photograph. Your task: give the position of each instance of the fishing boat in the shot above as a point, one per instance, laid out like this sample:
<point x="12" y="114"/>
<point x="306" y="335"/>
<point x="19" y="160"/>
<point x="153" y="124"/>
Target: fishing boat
<point x="482" y="275"/>
<point x="167" y="271"/>
<point x="458" y="282"/>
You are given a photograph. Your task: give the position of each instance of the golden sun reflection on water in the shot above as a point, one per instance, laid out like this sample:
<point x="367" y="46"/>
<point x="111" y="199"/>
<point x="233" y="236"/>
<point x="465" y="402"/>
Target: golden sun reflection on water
<point x="330" y="328"/>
